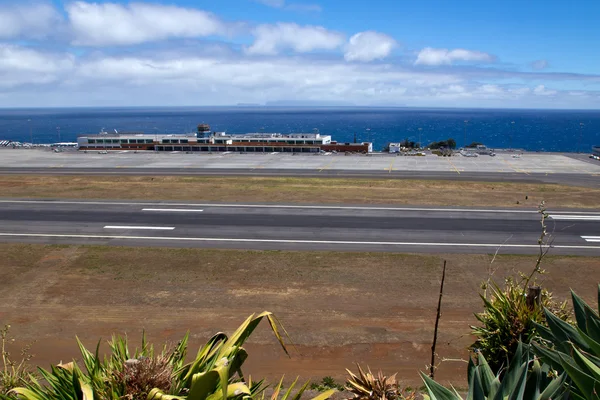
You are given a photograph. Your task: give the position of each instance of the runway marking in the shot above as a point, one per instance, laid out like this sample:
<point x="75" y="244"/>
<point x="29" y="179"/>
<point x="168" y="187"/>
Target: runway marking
<point x="328" y="165"/>
<point x="516" y="169"/>
<point x="390" y="168"/>
<point x="291" y="241"/>
<point x="171" y="209"/>
<point x="159" y="228"/>
<point x="595" y="239"/>
<point x="559" y="217"/>
<point x="289" y="206"/>
<point x="454" y="166"/>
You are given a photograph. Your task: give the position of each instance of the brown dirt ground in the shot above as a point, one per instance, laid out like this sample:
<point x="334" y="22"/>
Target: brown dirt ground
<point x="299" y="190"/>
<point x="339" y="308"/>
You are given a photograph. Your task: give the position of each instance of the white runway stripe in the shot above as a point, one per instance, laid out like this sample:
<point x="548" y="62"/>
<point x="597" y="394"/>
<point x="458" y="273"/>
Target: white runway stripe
<point x="158" y="228"/>
<point x="570" y="217"/>
<point x="595" y="239"/>
<point x="171" y="209"/>
<point x="291" y="241"/>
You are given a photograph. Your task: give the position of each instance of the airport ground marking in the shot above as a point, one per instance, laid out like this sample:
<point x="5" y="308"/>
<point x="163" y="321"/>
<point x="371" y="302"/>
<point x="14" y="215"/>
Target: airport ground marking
<point x="572" y="217"/>
<point x="291" y="206"/>
<point x="515" y="168"/>
<point x="158" y="228"/>
<point x="593" y="239"/>
<point x="290" y="241"/>
<point x="172" y="209"/>
<point x="454" y="166"/>
<point x="329" y="164"/>
<point x="390" y="168"/>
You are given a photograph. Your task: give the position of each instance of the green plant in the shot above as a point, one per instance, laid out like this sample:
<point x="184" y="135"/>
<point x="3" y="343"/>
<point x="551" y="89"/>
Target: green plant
<point x="574" y="349"/>
<point x="525" y="378"/>
<point x="514" y="312"/>
<point x="367" y="386"/>
<point x="214" y="374"/>
<point x="326" y="383"/>
<point x="507" y="318"/>
<point x="13" y="373"/>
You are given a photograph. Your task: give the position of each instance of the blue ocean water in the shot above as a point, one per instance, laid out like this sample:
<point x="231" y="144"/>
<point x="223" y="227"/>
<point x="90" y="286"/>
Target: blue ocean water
<point x="533" y="130"/>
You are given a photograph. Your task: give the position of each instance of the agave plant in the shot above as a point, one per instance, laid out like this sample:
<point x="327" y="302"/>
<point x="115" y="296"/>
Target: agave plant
<point x="368" y="386"/>
<point x="525" y="378"/>
<point x="574" y="349"/>
<point x="214" y="374"/>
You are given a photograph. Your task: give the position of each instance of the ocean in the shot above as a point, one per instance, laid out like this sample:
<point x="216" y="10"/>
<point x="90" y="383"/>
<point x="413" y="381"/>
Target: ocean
<point x="532" y="130"/>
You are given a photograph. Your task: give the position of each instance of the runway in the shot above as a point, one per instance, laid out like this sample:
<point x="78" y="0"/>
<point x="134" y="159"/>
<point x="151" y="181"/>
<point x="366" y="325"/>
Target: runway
<point x="573" y="179"/>
<point x="297" y="227"/>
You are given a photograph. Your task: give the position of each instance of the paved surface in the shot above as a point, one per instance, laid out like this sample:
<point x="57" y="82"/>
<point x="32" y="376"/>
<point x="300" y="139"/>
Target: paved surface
<point x="293" y="227"/>
<point x="531" y="167"/>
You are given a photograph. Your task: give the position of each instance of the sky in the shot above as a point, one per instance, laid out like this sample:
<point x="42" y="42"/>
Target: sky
<point x="409" y="53"/>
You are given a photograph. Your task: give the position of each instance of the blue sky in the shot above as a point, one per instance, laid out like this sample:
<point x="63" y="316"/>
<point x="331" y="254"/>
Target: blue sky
<point x="513" y="54"/>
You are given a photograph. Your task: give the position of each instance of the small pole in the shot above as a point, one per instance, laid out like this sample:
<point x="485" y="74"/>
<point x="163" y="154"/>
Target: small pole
<point x="580" y="136"/>
<point x="420" y="143"/>
<point x="465" y="145"/>
<point x="512" y="132"/>
<point x="58" y="129"/>
<point x="30" y="132"/>
<point x="437" y="321"/>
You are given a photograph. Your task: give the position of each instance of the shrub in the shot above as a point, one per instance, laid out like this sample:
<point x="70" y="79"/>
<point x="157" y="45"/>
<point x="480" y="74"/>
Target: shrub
<point x="574" y="349"/>
<point x="327" y="383"/>
<point x="13" y="373"/>
<point x="214" y="374"/>
<point x="508" y="318"/>
<point x="367" y="386"/>
<point x="525" y="378"/>
<point x="514" y="312"/>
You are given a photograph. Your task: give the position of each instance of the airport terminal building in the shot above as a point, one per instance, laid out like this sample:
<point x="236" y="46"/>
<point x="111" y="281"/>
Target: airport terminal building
<point x="219" y="142"/>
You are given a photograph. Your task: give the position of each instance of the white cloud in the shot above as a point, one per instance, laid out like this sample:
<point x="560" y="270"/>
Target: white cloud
<point x="539" y="64"/>
<point x="431" y="56"/>
<point x="178" y="76"/>
<point x="37" y="21"/>
<point x="102" y="24"/>
<point x="271" y="39"/>
<point x="541" y="90"/>
<point x="272" y="3"/>
<point x="369" y="46"/>
<point x="282" y="4"/>
<point x="520" y="91"/>
<point x="23" y="66"/>
<point x="491" y="89"/>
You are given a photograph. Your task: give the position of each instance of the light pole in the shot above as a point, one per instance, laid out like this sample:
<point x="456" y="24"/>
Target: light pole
<point x="420" y="144"/>
<point x="465" y="145"/>
<point x="580" y="136"/>
<point x="30" y="132"/>
<point x="58" y="130"/>
<point x="512" y="132"/>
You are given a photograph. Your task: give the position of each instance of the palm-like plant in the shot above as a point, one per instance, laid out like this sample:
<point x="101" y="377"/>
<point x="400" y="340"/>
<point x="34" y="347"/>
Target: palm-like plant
<point x="525" y="378"/>
<point x="574" y="349"/>
<point x="214" y="374"/>
<point x="368" y="386"/>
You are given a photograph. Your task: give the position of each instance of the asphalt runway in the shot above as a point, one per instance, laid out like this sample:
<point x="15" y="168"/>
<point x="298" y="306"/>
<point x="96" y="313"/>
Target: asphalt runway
<point x="572" y="179"/>
<point x="297" y="227"/>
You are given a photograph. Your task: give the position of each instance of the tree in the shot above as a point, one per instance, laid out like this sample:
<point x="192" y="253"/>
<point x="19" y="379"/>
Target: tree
<point x="450" y="143"/>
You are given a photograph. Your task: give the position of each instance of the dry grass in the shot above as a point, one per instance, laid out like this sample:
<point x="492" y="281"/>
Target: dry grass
<point x="299" y="190"/>
<point x="339" y="307"/>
